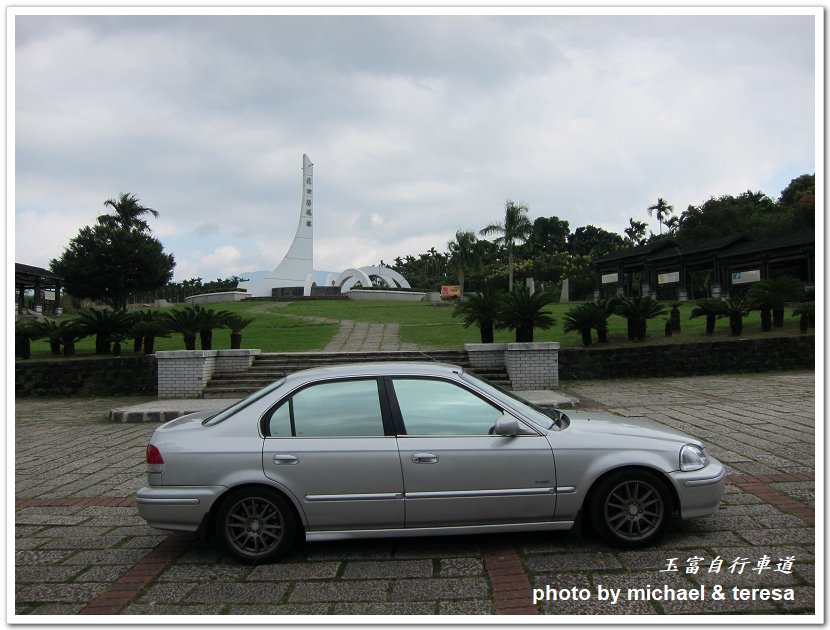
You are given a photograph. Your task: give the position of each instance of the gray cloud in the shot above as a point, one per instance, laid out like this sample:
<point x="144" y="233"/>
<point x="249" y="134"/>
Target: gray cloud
<point x="426" y="123"/>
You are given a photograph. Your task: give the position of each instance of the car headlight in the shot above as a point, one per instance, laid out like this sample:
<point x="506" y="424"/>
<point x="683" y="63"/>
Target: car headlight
<point x="693" y="458"/>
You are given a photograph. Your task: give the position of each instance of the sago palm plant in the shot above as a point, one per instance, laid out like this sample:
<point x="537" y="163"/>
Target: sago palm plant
<point x="522" y="311"/>
<point x="480" y="309"/>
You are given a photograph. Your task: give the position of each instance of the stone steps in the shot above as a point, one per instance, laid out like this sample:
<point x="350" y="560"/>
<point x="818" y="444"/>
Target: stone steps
<point x="269" y="367"/>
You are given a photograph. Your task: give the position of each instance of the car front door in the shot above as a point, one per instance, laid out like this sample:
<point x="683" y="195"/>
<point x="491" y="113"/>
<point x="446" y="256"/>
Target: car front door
<point x="331" y="444"/>
<point x="455" y="471"/>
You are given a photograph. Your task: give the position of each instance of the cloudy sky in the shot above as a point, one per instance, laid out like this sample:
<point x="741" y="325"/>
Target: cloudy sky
<point x="417" y="125"/>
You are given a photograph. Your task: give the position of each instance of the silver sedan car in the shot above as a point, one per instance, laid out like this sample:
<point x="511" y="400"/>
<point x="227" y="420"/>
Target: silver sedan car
<point x="415" y="449"/>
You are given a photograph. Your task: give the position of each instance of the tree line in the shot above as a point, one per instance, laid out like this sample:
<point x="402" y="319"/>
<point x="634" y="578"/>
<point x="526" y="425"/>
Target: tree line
<point x="118" y="260"/>
<point x="547" y="250"/>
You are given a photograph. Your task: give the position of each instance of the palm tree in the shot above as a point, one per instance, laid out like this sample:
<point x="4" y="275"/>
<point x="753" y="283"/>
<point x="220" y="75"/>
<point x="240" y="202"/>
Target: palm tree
<point x="208" y="320"/>
<point x="144" y="331"/>
<point x="464" y="254"/>
<point x="185" y="321"/>
<point x="807" y="313"/>
<point x="771" y="297"/>
<point x="50" y="329"/>
<point x="582" y="319"/>
<point x="237" y="323"/>
<point x="480" y="309"/>
<point x="104" y="324"/>
<point x="516" y="228"/>
<point x="710" y="308"/>
<point x="662" y="210"/>
<point x="24" y="333"/>
<point x="637" y="311"/>
<point x="128" y="213"/>
<point x="523" y="311"/>
<point x="735" y="308"/>
<point x="674" y="316"/>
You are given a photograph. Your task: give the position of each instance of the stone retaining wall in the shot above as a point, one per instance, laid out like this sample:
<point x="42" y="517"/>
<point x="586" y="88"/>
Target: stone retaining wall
<point x="116" y="376"/>
<point x="688" y="359"/>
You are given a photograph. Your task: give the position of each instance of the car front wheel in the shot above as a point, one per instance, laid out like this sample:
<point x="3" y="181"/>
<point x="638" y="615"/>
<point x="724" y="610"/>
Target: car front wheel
<point x="631" y="509"/>
<point x="256" y="525"/>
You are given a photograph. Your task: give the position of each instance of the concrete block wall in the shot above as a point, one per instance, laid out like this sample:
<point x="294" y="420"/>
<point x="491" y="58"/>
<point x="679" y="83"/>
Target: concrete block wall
<point x="484" y="356"/>
<point x="184" y="373"/>
<point x="533" y="365"/>
<point x="235" y="360"/>
<point x="529" y="365"/>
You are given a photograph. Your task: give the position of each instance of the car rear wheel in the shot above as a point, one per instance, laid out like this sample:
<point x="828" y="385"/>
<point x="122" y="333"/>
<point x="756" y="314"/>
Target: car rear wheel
<point x="256" y="525"/>
<point x="631" y="509"/>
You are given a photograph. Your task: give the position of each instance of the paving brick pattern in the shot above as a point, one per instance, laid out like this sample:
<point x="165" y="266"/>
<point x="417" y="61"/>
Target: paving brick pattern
<point x="80" y="547"/>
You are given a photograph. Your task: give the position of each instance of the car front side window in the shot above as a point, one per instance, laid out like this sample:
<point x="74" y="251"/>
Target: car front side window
<point x="435" y="407"/>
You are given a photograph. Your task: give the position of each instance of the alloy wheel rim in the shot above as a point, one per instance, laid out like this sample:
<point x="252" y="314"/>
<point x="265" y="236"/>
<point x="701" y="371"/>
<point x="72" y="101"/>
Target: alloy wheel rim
<point x="254" y="526"/>
<point x="634" y="510"/>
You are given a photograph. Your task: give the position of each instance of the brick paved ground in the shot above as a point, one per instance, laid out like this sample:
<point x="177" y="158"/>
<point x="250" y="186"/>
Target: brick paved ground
<point x="80" y="546"/>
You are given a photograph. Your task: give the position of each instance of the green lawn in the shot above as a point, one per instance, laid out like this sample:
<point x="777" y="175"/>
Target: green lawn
<point x="309" y="325"/>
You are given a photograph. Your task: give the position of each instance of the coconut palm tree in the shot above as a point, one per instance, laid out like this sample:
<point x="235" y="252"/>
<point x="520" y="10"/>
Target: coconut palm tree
<point x="637" y="311"/>
<point x="515" y="229"/>
<point x="523" y="311"/>
<point x="128" y="214"/>
<point x="662" y="210"/>
<point x="480" y="309"/>
<point x="464" y="255"/>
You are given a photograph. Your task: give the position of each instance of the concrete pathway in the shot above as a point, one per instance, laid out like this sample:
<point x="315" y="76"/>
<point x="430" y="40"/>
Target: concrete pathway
<point x="367" y="337"/>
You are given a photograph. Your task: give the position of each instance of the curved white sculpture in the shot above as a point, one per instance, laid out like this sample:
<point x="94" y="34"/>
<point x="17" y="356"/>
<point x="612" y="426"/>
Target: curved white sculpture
<point x="389" y="277"/>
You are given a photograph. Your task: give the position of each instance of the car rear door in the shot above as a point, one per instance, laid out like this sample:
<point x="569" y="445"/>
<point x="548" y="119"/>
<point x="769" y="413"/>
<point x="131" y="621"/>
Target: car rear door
<point x="455" y="472"/>
<point x="331" y="444"/>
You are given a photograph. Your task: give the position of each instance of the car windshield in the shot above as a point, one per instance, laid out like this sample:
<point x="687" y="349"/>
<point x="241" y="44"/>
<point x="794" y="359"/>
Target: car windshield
<point x="228" y="412"/>
<point x="545" y="418"/>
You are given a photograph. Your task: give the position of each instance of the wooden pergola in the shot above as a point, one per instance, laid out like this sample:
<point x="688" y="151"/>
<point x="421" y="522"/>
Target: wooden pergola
<point x="667" y="270"/>
<point x="40" y="280"/>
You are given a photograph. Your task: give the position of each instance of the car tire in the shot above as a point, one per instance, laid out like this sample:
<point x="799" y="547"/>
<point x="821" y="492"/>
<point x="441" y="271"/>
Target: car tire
<point x="256" y="525"/>
<point x="630" y="509"/>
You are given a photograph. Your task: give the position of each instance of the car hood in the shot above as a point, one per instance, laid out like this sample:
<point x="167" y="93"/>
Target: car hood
<point x="609" y="424"/>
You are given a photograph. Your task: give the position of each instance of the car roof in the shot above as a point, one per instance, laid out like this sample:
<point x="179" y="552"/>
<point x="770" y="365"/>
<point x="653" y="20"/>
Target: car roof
<point x="380" y="368"/>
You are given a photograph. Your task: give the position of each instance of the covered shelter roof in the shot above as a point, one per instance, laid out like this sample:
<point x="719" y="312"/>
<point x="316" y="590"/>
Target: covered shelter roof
<point x="28" y="274"/>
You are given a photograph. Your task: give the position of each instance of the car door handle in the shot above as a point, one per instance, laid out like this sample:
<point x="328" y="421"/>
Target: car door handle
<point x="281" y="458"/>
<point x="425" y="458"/>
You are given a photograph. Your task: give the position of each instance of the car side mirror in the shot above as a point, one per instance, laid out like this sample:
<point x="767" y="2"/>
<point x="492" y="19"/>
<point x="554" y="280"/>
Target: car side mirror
<point x="506" y="425"/>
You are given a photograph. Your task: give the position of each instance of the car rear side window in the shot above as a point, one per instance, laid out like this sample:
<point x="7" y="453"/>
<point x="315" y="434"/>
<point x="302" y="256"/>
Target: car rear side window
<point x="334" y="409"/>
<point x="433" y="407"/>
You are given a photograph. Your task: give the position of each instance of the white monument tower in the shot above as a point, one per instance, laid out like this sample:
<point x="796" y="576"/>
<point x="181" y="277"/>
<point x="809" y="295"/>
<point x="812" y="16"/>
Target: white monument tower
<point x="296" y="268"/>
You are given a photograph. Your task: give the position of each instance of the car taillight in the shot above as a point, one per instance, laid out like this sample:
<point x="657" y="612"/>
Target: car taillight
<point x="154" y="455"/>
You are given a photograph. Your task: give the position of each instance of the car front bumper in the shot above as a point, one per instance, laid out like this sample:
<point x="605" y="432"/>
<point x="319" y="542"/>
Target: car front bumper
<point x="176" y="508"/>
<point x="700" y="491"/>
